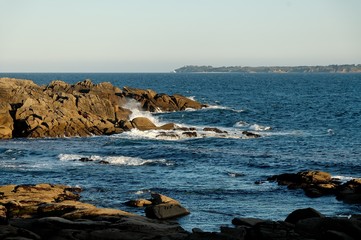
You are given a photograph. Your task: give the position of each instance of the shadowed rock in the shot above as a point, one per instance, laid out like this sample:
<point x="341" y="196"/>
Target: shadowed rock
<point x="45" y="211"/>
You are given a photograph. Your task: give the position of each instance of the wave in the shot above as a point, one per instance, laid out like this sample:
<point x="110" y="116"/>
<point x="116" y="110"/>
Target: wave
<point x="137" y="111"/>
<point x="177" y="135"/>
<point x="343" y="179"/>
<point x="254" y="126"/>
<point x="212" y="107"/>
<point x="115" y="160"/>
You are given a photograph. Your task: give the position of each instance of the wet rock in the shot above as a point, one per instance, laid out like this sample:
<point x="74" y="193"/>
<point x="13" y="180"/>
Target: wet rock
<point x="350" y="192"/>
<point x="168" y="135"/>
<point x="85" y="159"/>
<point x="190" y="134"/>
<point x="216" y="130"/>
<point x="251" y="134"/>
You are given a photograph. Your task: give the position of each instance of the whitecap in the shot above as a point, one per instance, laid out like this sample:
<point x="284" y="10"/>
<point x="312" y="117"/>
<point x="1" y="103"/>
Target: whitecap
<point x="257" y="127"/>
<point x="211" y="107"/>
<point x="115" y="160"/>
<point x="343" y="178"/>
<point x="141" y="192"/>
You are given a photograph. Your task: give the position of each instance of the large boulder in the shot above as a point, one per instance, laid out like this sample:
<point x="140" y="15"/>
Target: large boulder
<point x="143" y="123"/>
<point x="164" y="208"/>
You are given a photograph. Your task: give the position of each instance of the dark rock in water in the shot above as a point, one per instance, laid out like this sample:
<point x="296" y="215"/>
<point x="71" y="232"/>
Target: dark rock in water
<point x="185" y="129"/>
<point x="190" y="134"/>
<point x="350" y="192"/>
<point x="170" y="135"/>
<point x="251" y="134"/>
<point x="85" y="159"/>
<point x="301" y="214"/>
<point x="216" y="130"/>
<point x="314" y="183"/>
<point x="103" y="162"/>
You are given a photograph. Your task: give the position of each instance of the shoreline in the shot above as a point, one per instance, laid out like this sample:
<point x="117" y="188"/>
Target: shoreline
<point x="46" y="211"/>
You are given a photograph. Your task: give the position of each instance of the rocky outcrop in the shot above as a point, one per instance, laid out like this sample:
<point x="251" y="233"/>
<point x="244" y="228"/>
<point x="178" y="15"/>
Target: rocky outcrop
<point x="318" y="183"/>
<point x="81" y="109"/>
<point x="153" y="102"/>
<point x="160" y="207"/>
<point x="46" y="211"/>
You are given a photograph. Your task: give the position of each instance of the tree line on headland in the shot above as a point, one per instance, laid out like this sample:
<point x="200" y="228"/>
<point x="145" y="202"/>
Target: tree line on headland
<point x="345" y="68"/>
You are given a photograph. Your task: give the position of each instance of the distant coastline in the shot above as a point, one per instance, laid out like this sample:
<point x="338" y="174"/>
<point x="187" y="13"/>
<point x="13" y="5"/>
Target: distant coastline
<point x="345" y="68"/>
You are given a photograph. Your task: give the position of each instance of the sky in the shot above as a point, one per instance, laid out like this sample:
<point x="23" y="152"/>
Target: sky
<point x="162" y="35"/>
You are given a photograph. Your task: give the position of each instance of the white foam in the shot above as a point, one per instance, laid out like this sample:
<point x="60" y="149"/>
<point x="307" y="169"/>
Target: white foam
<point x="343" y="178"/>
<point x="137" y="111"/>
<point x="254" y="127"/>
<point x="257" y="127"/>
<point x="193" y="98"/>
<point x="116" y="160"/>
<point x="210" y="107"/>
<point x="141" y="192"/>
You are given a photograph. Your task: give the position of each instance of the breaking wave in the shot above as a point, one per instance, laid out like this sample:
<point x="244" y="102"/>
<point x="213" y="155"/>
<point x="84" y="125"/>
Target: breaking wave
<point x="115" y="160"/>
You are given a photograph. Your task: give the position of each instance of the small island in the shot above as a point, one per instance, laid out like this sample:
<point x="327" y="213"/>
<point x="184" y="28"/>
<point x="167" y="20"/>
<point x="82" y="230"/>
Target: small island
<point x="345" y="68"/>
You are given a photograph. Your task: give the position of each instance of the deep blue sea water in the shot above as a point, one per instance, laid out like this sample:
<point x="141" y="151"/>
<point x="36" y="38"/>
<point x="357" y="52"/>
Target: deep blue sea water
<point x="307" y="121"/>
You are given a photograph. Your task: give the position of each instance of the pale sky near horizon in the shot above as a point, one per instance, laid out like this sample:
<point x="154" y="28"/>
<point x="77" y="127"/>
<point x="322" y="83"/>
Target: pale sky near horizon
<point x="161" y="35"/>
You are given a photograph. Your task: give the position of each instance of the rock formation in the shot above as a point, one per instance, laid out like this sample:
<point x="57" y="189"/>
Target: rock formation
<point x="318" y="183"/>
<point x="45" y="211"/>
<point x="160" y="207"/>
<point x="81" y="109"/>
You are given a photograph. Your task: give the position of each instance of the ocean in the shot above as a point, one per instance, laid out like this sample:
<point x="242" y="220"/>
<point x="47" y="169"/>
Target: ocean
<point x="306" y="121"/>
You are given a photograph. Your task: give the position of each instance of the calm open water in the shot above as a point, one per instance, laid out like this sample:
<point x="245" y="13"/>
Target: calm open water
<point x="307" y="121"/>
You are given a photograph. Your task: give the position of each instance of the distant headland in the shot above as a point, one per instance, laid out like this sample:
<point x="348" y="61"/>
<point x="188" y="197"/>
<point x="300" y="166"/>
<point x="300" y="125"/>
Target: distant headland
<point x="346" y="68"/>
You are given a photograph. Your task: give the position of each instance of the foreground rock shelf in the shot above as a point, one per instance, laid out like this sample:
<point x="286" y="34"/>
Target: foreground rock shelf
<point x="54" y="212"/>
<point x="47" y="211"/>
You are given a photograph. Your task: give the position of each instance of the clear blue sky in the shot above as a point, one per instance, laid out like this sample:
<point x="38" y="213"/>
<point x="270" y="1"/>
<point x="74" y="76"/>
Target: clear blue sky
<point x="161" y="35"/>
